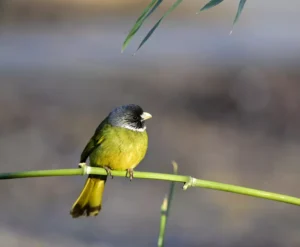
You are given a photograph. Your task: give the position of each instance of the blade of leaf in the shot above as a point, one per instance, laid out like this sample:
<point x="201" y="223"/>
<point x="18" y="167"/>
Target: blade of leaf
<point x="148" y="35"/>
<point x="238" y="13"/>
<point x="157" y="23"/>
<point x="154" y="8"/>
<point x="210" y="4"/>
<point x="146" y="13"/>
<point x="138" y="24"/>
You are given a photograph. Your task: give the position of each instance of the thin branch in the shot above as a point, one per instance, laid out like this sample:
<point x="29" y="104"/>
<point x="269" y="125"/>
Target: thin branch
<point x="187" y="180"/>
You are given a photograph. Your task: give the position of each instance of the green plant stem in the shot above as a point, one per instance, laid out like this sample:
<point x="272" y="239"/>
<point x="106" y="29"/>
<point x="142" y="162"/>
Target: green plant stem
<point x="163" y="222"/>
<point x="42" y="173"/>
<point x="165" y="209"/>
<point x="187" y="180"/>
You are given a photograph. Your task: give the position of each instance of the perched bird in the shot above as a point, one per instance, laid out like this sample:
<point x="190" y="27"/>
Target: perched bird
<point x="120" y="142"/>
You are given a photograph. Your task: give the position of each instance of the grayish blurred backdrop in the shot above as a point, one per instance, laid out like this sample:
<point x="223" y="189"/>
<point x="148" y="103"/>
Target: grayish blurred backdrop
<point x="226" y="108"/>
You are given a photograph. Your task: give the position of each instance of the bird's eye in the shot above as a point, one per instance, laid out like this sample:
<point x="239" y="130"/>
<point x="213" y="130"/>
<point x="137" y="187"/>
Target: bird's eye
<point x="135" y="118"/>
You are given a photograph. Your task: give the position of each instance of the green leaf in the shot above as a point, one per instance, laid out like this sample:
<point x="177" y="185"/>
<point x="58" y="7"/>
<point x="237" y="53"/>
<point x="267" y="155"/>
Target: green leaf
<point x="154" y="8"/>
<point x="239" y="11"/>
<point x="157" y="23"/>
<point x="146" y="13"/>
<point x="210" y="4"/>
<point x="146" y="10"/>
<point x="149" y="34"/>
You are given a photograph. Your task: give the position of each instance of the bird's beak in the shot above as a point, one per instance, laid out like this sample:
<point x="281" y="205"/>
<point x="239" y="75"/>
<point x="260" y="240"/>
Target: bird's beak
<point x="146" y="115"/>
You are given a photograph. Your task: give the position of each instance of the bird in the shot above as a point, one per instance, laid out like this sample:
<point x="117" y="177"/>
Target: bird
<point x="120" y="142"/>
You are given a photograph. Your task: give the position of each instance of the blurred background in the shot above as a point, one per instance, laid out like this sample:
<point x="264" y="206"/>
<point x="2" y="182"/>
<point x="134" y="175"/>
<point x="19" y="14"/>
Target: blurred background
<point x="226" y="108"/>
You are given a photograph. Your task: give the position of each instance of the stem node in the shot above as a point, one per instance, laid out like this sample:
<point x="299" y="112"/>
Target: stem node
<point x="189" y="183"/>
<point x="86" y="170"/>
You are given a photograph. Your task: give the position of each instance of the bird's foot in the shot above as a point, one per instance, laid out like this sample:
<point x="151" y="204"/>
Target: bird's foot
<point x="81" y="165"/>
<point x="108" y="170"/>
<point x="129" y="173"/>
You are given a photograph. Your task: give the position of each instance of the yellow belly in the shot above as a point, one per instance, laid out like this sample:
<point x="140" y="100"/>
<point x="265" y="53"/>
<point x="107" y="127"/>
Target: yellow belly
<point x="121" y="149"/>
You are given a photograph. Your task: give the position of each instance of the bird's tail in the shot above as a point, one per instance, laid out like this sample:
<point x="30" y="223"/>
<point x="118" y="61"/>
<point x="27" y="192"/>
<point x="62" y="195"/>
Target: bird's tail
<point x="89" y="201"/>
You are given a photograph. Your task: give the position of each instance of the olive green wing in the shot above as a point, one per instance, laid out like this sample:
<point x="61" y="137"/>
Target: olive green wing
<point x="94" y="142"/>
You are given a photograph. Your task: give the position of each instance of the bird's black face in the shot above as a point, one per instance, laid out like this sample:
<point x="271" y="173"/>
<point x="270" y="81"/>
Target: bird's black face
<point x="130" y="117"/>
<point x="133" y="116"/>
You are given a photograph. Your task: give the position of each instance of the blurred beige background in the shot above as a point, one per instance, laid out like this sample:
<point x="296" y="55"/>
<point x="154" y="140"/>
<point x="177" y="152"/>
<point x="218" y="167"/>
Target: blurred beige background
<point x="226" y="108"/>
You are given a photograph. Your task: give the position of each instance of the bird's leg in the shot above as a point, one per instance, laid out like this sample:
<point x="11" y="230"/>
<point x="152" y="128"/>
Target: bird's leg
<point x="108" y="170"/>
<point x="130" y="173"/>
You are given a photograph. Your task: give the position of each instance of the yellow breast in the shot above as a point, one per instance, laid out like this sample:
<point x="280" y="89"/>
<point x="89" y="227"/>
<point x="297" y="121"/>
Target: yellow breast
<point x="120" y="149"/>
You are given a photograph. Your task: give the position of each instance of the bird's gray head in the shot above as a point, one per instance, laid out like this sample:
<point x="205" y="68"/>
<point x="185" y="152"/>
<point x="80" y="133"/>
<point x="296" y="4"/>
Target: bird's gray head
<point x="130" y="117"/>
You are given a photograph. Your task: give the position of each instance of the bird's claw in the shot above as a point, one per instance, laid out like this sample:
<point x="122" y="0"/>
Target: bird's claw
<point x="108" y="170"/>
<point x="81" y="165"/>
<point x="130" y="173"/>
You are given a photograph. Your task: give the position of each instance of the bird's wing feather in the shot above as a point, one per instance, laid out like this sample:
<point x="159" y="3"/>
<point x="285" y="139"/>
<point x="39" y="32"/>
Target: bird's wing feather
<point x="94" y="142"/>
